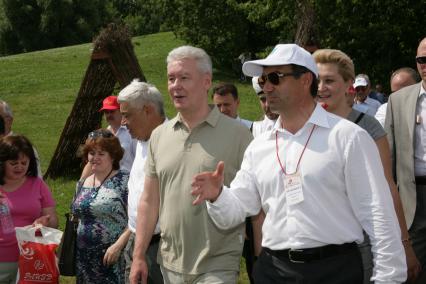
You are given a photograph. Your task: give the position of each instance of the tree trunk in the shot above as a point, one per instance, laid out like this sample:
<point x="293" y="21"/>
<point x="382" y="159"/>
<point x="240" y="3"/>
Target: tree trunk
<point x="306" y="33"/>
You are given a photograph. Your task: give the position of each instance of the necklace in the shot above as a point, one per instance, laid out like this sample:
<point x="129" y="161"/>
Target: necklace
<point x="102" y="180"/>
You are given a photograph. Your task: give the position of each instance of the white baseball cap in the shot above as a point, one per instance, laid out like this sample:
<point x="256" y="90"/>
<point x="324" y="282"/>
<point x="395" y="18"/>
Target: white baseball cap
<point x="256" y="86"/>
<point x="360" y="81"/>
<point x="282" y="54"/>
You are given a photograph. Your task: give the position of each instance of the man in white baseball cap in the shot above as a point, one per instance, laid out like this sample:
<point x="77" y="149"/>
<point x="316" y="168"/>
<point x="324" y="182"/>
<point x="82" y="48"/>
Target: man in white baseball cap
<point x="305" y="175"/>
<point x="363" y="102"/>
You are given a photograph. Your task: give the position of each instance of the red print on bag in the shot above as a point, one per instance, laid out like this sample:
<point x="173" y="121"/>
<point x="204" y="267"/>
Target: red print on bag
<point x="37" y="263"/>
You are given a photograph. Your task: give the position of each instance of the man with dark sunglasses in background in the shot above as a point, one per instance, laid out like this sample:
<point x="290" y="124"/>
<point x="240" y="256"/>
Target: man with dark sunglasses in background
<point x="406" y="127"/>
<point x="319" y="180"/>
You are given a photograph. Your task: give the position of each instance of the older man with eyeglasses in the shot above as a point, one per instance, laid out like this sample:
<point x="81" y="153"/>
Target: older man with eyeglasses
<point x="319" y="180"/>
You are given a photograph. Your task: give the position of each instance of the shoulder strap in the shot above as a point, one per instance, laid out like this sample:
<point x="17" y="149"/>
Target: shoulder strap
<point x="76" y="192"/>
<point x="358" y="119"/>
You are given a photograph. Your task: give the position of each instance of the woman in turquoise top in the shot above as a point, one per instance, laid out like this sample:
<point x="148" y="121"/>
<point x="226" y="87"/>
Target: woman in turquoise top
<point x="101" y="206"/>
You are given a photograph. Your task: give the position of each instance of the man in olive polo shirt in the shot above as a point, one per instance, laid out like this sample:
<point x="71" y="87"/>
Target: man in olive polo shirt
<point x="192" y="248"/>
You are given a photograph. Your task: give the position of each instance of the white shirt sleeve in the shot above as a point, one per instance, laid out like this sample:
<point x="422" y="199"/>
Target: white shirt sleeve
<point x="371" y="200"/>
<point x="239" y="201"/>
<point x="381" y="114"/>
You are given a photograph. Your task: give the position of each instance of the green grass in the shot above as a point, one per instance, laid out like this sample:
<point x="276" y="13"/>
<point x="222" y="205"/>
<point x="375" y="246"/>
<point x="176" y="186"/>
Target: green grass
<point x="41" y="88"/>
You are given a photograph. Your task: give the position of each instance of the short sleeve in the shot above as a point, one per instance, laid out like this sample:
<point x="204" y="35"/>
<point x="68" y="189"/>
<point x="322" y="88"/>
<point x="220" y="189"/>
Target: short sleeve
<point x="373" y="127"/>
<point x="150" y="169"/>
<point x="45" y="193"/>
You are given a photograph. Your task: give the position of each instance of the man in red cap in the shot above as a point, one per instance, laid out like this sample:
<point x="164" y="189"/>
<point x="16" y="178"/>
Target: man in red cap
<point x="111" y="110"/>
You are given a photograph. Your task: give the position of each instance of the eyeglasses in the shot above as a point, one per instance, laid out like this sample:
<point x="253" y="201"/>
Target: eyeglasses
<point x="421" y="59"/>
<point x="274" y="77"/>
<point x="98" y="133"/>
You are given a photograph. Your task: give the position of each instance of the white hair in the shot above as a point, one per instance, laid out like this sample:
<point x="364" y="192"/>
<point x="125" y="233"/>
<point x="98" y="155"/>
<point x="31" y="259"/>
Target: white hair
<point x="137" y="94"/>
<point x="203" y="60"/>
<point x="6" y="109"/>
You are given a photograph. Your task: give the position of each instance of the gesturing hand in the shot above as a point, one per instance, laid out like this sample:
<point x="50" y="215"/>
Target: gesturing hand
<point x="208" y="185"/>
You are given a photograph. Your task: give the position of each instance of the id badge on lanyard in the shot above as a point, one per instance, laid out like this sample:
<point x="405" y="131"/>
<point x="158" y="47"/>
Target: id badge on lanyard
<point x="293" y="182"/>
<point x="293" y="188"/>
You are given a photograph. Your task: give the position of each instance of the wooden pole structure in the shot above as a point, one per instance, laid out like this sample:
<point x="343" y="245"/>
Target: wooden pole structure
<point x="113" y="61"/>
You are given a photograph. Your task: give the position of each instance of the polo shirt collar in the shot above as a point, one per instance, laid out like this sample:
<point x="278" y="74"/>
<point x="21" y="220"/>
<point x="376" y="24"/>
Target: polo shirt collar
<point x="211" y="119"/>
<point x="319" y="117"/>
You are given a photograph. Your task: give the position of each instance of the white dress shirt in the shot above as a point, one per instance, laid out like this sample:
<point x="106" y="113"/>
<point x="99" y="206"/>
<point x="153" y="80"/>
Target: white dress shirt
<point x="369" y="106"/>
<point x="381" y="114"/>
<point x="245" y="122"/>
<point x="344" y="188"/>
<point x="136" y="185"/>
<point x="420" y="143"/>
<point x="129" y="146"/>
<point x="262" y="126"/>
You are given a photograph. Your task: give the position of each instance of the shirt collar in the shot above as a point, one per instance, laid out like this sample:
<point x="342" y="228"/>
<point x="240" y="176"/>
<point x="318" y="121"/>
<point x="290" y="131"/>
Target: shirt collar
<point x="422" y="90"/>
<point x="319" y="117"/>
<point x="211" y="119"/>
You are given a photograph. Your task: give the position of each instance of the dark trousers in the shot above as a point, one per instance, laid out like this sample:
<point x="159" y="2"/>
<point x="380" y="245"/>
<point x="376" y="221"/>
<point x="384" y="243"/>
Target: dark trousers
<point x="154" y="272"/>
<point x="248" y="249"/>
<point x="417" y="231"/>
<point x="339" y="269"/>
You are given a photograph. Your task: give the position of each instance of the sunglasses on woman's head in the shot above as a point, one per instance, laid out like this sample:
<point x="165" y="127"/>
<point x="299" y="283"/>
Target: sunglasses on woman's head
<point x="274" y="77"/>
<point x="96" y="134"/>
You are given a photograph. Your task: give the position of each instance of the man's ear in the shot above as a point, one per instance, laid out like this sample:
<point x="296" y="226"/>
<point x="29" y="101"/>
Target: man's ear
<point x="307" y="79"/>
<point x="148" y="109"/>
<point x="207" y="79"/>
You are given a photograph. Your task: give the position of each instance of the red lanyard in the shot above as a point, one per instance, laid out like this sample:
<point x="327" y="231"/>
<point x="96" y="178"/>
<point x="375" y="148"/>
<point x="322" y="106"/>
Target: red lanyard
<point x="301" y="155"/>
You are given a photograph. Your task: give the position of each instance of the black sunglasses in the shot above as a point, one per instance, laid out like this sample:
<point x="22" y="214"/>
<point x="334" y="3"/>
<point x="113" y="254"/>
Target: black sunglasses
<point x="98" y="133"/>
<point x="421" y="59"/>
<point x="274" y="77"/>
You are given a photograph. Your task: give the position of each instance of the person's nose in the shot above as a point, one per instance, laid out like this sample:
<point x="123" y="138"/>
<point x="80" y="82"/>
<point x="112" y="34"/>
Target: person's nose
<point x="321" y="86"/>
<point x="268" y="87"/>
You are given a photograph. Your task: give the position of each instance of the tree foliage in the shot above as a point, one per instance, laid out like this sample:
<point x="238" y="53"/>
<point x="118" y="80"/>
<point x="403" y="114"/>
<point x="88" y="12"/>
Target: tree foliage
<point x="380" y="36"/>
<point x="41" y="24"/>
<point x="143" y="16"/>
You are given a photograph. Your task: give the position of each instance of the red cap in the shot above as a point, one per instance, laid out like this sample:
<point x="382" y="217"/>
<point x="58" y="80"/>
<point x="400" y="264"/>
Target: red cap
<point x="110" y="103"/>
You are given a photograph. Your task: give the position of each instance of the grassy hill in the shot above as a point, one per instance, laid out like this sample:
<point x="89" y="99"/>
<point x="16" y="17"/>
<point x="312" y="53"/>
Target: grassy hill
<point x="41" y="88"/>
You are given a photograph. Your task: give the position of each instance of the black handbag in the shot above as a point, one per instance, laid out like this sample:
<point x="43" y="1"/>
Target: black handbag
<point x="67" y="249"/>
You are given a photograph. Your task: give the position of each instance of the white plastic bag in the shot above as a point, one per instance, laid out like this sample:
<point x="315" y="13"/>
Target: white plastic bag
<point x="37" y="259"/>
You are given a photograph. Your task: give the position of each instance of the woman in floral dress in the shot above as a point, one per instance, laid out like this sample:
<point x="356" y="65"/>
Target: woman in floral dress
<point x="101" y="206"/>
